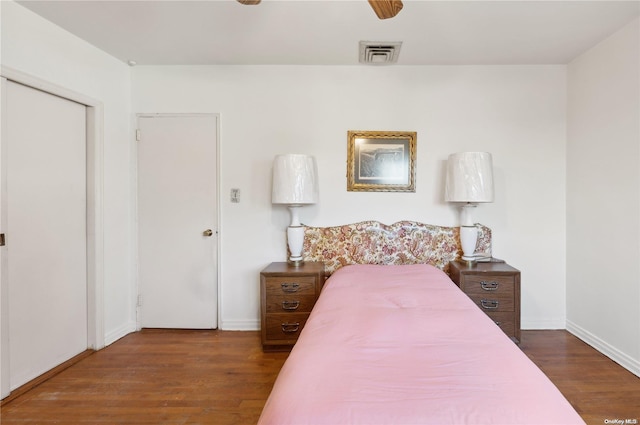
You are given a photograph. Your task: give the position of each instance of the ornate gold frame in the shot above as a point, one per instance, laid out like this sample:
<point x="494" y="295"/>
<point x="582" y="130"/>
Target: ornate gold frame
<point x="367" y="150"/>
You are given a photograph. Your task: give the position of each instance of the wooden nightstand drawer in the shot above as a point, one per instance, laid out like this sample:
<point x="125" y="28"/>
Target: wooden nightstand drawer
<point x="285" y="327"/>
<point x="483" y="286"/>
<point x="287" y="296"/>
<point x="290" y="304"/>
<point x="494" y="304"/>
<point x="279" y="286"/>
<point x="505" y="321"/>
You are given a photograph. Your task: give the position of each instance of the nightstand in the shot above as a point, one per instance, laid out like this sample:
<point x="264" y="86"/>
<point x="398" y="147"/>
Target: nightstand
<point x="287" y="295"/>
<point x="495" y="288"/>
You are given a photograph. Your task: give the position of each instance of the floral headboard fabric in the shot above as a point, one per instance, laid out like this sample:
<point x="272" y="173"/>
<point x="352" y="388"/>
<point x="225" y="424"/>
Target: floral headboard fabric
<point x="404" y="242"/>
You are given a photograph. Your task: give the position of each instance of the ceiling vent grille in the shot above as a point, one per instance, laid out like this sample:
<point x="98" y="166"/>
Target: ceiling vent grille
<point x="379" y="53"/>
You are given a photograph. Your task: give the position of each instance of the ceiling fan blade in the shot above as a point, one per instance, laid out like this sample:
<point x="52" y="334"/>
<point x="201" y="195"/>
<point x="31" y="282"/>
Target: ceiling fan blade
<point x="385" y="8"/>
<point x="249" y="2"/>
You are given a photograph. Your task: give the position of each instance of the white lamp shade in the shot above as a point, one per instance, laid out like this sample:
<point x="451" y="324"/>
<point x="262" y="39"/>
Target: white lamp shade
<point x="295" y="180"/>
<point x="469" y="177"/>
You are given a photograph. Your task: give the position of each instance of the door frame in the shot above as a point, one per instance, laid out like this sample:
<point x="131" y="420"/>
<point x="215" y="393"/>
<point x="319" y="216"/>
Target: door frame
<point x="217" y="209"/>
<point x="95" y="220"/>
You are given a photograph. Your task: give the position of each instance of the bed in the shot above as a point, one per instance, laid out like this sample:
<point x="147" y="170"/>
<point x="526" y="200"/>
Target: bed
<point x="392" y="340"/>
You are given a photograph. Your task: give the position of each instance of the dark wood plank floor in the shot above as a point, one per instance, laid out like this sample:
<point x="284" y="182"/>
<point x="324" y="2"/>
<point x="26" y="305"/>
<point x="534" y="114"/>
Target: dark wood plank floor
<point x="224" y="378"/>
<point x="599" y="389"/>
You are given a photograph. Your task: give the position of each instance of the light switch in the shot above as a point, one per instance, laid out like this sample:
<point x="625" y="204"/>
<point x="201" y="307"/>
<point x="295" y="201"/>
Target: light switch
<point x="235" y="196"/>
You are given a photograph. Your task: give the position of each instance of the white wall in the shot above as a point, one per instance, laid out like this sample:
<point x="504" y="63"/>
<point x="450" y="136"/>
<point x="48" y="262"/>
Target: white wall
<point x="603" y="197"/>
<point x="515" y="112"/>
<point x="36" y="47"/>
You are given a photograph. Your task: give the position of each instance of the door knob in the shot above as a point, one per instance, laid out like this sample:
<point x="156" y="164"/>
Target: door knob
<point x="207" y="232"/>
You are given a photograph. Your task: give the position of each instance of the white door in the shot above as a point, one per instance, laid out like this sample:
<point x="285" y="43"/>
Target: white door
<point x="44" y="139"/>
<point x="177" y="237"/>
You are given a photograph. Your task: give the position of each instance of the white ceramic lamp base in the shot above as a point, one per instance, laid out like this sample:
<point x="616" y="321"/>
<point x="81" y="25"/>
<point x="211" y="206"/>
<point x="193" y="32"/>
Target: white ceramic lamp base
<point x="295" y="237"/>
<point x="468" y="241"/>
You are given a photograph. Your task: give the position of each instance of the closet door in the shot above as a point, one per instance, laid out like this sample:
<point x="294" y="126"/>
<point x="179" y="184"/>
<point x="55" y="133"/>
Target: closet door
<point x="45" y="207"/>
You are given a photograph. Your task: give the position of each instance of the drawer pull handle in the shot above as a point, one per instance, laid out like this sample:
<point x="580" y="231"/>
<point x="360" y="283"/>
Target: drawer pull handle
<point x="489" y="286"/>
<point x="290" y="305"/>
<point x="489" y="304"/>
<point x="290" y="287"/>
<point x="498" y="323"/>
<point x="290" y="327"/>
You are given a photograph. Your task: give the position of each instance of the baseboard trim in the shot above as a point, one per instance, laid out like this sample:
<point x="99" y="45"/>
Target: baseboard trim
<point x="624" y="360"/>
<point x="239" y="325"/>
<point x="44" y="377"/>
<point x="537" y="324"/>
<point x="120" y="332"/>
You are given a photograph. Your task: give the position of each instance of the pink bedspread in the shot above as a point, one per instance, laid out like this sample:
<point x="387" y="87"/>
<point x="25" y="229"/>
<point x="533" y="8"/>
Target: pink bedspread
<point x="403" y="345"/>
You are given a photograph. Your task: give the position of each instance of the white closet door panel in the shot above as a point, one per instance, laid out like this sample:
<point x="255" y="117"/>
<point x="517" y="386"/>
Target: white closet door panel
<point x="46" y="216"/>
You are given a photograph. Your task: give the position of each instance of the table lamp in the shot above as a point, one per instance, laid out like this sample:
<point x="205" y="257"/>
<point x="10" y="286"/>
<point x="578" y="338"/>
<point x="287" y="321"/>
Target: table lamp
<point x="295" y="184"/>
<point x="469" y="181"/>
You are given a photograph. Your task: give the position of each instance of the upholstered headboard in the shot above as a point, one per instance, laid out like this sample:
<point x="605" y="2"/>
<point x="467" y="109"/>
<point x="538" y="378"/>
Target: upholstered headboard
<point x="404" y="242"/>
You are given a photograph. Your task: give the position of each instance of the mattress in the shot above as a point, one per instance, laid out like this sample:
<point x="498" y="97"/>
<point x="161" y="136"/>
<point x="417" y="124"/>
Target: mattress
<point x="403" y="345"/>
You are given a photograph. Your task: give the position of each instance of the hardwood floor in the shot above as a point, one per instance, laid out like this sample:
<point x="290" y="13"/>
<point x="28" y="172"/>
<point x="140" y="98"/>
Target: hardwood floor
<point x="158" y="377"/>
<point x="599" y="389"/>
<point x="224" y="378"/>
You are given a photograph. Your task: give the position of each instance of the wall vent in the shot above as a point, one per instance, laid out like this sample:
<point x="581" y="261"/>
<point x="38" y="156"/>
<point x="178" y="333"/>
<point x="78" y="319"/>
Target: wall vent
<point x="379" y="52"/>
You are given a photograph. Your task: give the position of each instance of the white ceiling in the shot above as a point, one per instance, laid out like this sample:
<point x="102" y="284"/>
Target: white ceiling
<point x="327" y="32"/>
